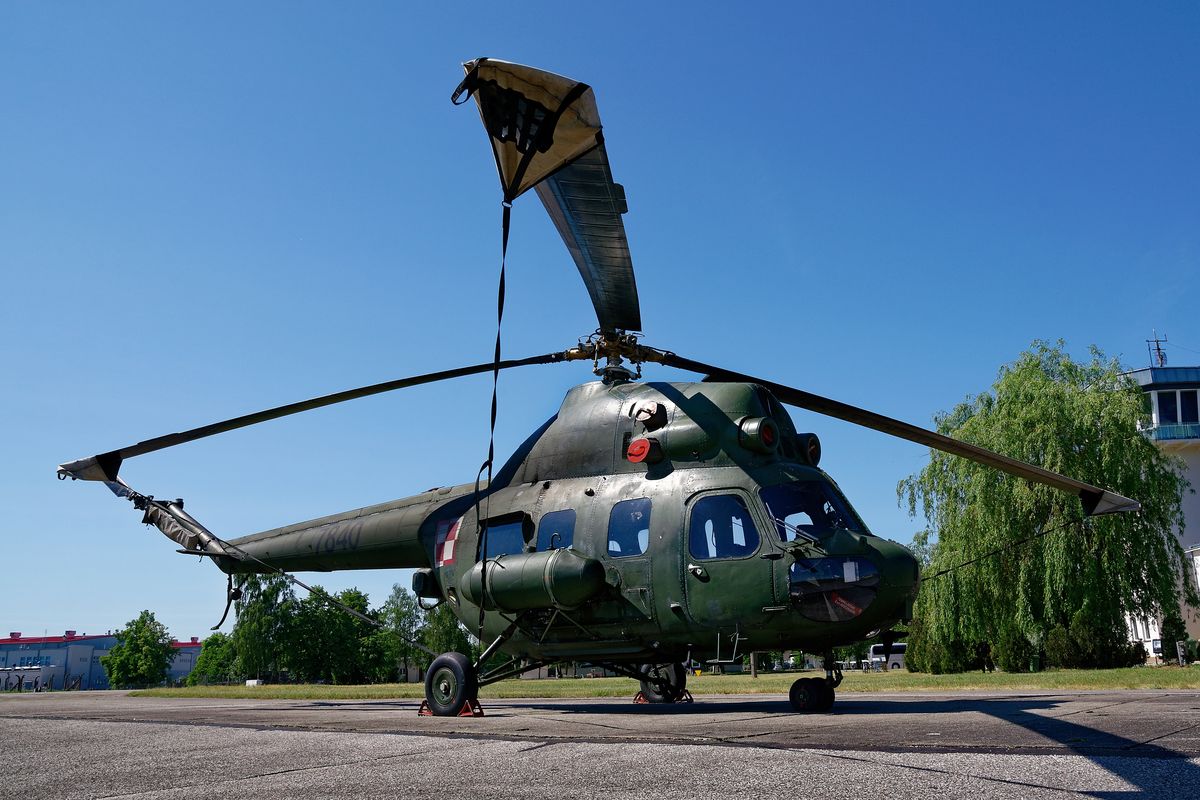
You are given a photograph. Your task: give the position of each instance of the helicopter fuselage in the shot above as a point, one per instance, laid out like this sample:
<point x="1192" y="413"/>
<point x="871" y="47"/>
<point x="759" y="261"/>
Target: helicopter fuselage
<point x="644" y="522"/>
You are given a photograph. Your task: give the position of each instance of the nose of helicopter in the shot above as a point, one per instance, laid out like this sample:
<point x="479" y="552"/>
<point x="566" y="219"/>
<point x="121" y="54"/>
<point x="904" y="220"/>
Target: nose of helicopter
<point x="900" y="578"/>
<point x="862" y="579"/>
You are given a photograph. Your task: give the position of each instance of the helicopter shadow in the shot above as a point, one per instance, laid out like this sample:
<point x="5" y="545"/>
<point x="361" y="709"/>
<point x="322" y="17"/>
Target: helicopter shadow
<point x="1117" y="754"/>
<point x="1114" y="753"/>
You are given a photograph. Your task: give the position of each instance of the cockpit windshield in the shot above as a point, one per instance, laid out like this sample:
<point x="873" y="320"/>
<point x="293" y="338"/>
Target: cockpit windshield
<point x="809" y="509"/>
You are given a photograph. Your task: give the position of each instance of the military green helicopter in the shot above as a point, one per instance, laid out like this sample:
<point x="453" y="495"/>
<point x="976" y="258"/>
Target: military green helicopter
<point x="647" y="526"/>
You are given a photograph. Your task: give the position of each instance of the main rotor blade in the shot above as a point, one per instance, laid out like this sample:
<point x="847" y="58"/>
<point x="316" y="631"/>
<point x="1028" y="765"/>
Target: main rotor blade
<point x="104" y="467"/>
<point x="586" y="205"/>
<point x="545" y="132"/>
<point x="1095" y="500"/>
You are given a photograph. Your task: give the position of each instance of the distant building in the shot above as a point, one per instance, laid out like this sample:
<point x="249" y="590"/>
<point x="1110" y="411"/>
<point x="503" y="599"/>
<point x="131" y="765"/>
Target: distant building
<point x="1173" y="394"/>
<point x="58" y="661"/>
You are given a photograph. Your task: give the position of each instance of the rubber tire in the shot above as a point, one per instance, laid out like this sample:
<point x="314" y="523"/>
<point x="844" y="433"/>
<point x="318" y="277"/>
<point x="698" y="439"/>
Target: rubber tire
<point x="678" y="678"/>
<point x="450" y="684"/>
<point x="803" y="695"/>
<point x="827" y="695"/>
<point x="811" y="695"/>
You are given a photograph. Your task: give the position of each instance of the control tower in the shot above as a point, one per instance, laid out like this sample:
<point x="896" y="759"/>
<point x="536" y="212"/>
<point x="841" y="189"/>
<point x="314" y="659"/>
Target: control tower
<point x="1174" y="401"/>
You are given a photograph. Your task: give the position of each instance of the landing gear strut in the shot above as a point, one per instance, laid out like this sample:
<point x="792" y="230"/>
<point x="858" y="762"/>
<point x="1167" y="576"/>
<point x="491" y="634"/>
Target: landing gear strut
<point x="660" y="683"/>
<point x="816" y="694"/>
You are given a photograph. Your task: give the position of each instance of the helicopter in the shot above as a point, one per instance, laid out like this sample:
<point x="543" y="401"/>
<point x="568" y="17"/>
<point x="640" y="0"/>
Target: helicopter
<point x="647" y="526"/>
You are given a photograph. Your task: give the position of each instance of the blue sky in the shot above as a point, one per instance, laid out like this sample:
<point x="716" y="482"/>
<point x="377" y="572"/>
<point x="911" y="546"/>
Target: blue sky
<point x="210" y="209"/>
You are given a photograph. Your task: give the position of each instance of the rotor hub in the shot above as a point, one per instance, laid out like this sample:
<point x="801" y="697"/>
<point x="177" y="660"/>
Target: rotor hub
<point x="609" y="351"/>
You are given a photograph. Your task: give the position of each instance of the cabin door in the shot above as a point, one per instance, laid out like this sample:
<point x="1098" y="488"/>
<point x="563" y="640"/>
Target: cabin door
<point x="725" y="582"/>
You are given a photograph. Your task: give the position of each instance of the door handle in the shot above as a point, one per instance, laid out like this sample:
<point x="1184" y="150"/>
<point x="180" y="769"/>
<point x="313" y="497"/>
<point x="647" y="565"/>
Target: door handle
<point x="698" y="571"/>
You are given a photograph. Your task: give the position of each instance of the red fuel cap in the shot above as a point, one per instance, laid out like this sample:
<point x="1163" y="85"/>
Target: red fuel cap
<point x="767" y="434"/>
<point x="638" y="450"/>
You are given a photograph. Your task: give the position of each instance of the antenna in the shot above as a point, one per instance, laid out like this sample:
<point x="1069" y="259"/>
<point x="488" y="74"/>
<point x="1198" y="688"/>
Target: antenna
<point x="1157" y="353"/>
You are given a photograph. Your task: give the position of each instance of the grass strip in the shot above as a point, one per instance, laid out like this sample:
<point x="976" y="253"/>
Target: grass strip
<point x="767" y="683"/>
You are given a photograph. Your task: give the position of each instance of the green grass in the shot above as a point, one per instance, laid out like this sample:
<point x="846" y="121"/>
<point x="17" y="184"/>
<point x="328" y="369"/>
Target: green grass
<point x="770" y="683"/>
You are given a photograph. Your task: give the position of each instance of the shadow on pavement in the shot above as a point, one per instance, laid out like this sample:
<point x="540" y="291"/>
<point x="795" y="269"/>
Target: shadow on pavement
<point x="1110" y="751"/>
<point x="1119" y="754"/>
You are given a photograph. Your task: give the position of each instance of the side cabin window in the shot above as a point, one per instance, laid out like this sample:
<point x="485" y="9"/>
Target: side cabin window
<point x="721" y="527"/>
<point x="507" y="535"/>
<point x="557" y="529"/>
<point x="629" y="528"/>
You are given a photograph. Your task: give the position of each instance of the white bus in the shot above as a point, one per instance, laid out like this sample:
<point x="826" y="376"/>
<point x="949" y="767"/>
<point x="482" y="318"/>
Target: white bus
<point x="895" y="661"/>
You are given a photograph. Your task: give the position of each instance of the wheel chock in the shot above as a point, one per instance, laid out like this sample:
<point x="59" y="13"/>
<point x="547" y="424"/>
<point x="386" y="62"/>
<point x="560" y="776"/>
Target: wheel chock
<point x="684" y="697"/>
<point x="471" y="708"/>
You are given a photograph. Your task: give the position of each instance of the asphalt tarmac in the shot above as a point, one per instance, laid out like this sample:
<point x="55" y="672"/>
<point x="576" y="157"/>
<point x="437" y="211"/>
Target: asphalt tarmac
<point x="1097" y="744"/>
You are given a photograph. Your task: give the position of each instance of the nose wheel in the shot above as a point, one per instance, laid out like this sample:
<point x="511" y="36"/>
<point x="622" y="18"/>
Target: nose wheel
<point x="811" y="695"/>
<point x="816" y="695"/>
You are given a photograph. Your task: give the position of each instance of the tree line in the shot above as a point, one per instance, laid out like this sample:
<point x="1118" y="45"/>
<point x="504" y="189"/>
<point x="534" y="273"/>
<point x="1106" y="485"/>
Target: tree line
<point x="307" y="639"/>
<point x="280" y="636"/>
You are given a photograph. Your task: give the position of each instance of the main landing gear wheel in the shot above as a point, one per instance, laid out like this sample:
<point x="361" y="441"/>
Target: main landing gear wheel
<point x="663" y="683"/>
<point x="450" y="684"/>
<point x="811" y="695"/>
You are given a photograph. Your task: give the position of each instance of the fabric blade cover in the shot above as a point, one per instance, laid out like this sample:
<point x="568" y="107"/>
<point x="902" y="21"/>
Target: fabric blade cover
<point x="537" y="121"/>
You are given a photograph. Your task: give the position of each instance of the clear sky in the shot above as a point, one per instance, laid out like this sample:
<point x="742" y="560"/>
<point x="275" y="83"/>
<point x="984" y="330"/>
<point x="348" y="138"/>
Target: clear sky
<point x="207" y="209"/>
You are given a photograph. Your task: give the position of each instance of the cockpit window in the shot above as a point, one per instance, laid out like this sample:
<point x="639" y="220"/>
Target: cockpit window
<point x="721" y="528"/>
<point x="833" y="589"/>
<point x="809" y="508"/>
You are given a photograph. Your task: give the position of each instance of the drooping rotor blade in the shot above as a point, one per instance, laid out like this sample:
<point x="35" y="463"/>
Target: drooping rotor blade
<point x="545" y="132"/>
<point x="1095" y="500"/>
<point x="586" y="206"/>
<point x="104" y="467"/>
<point x="537" y="121"/>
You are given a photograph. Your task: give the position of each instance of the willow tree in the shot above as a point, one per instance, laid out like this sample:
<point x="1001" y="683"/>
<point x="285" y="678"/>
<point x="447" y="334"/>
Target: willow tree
<point x="260" y="634"/>
<point x="1059" y="578"/>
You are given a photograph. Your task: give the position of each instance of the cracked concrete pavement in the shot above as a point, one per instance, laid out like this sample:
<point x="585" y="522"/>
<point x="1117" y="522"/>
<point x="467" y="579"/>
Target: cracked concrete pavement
<point x="1029" y="744"/>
